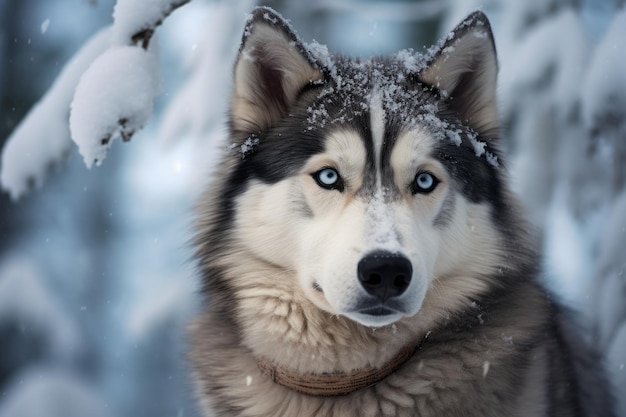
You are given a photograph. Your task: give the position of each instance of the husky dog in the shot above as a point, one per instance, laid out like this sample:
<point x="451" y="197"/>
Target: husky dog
<point x="360" y="251"/>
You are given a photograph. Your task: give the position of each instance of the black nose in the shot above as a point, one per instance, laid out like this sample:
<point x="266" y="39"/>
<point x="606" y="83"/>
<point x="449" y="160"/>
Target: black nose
<point x="385" y="274"/>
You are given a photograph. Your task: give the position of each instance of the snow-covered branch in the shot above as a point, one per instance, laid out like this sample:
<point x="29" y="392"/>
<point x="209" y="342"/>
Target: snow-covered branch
<point x="389" y="10"/>
<point x="136" y="21"/>
<point x="114" y="98"/>
<point x="42" y="139"/>
<point x="108" y="90"/>
<point x="604" y="89"/>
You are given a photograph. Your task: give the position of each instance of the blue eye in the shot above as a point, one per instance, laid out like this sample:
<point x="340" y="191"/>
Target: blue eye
<point x="424" y="183"/>
<point x="329" y="179"/>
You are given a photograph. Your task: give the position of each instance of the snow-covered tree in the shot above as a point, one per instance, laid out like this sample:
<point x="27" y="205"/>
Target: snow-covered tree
<point x="123" y="295"/>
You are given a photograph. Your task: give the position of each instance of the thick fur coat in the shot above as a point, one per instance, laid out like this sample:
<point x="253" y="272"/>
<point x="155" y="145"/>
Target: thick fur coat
<point x="364" y="208"/>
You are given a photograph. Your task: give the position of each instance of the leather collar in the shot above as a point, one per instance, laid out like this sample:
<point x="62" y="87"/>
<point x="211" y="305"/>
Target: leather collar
<point x="335" y="383"/>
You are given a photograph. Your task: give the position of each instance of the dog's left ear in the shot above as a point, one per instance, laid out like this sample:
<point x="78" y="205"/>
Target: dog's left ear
<point x="464" y="69"/>
<point x="273" y="66"/>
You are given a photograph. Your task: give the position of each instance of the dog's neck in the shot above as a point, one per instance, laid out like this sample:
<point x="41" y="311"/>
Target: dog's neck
<point x="295" y="338"/>
<point x="335" y="383"/>
<point x="284" y="328"/>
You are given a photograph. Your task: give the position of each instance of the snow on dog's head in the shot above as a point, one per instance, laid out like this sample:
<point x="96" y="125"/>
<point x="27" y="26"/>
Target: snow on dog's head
<point x="372" y="184"/>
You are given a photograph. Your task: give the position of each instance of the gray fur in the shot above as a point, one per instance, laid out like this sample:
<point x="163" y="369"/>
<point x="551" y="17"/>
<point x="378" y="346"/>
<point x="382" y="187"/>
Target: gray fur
<point x="445" y="214"/>
<point x="492" y="340"/>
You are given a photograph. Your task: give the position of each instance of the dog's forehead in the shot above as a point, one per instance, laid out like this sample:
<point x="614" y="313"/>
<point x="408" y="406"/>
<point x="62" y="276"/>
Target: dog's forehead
<point x="378" y="98"/>
<point x="373" y="105"/>
<point x="388" y="110"/>
<point x="377" y="102"/>
<point x="355" y="88"/>
<point x="378" y="148"/>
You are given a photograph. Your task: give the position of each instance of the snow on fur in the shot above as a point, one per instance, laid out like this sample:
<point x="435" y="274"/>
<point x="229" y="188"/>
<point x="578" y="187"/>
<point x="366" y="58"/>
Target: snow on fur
<point x="396" y="97"/>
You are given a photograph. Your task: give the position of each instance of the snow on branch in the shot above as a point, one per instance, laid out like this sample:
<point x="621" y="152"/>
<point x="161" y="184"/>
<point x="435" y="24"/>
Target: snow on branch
<point x="42" y="139"/>
<point x="558" y="50"/>
<point x="604" y="89"/>
<point x="137" y="20"/>
<point x="387" y="10"/>
<point x="114" y="98"/>
<point x="108" y="89"/>
<point x="207" y="84"/>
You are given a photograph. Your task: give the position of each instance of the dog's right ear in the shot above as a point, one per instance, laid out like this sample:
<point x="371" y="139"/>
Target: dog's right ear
<point x="272" y="68"/>
<point x="464" y="69"/>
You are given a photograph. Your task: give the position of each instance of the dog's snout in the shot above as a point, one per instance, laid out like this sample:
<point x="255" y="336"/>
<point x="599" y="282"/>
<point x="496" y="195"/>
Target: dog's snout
<point x="385" y="274"/>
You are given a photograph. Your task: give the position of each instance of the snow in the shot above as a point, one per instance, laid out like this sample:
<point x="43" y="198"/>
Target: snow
<point x="156" y="308"/>
<point x="605" y="304"/>
<point x="24" y="298"/>
<point x="555" y="53"/>
<point x="100" y="111"/>
<point x="568" y="251"/>
<point x="564" y="97"/>
<point x="201" y="102"/>
<point x="132" y="16"/>
<point x="42" y="139"/>
<point x="321" y="55"/>
<point x="380" y="224"/>
<point x="411" y="61"/>
<point x="113" y="99"/>
<point x="553" y="65"/>
<point x="395" y="99"/>
<point x="248" y="146"/>
<point x="48" y="392"/>
<point x="604" y="87"/>
<point x="44" y="26"/>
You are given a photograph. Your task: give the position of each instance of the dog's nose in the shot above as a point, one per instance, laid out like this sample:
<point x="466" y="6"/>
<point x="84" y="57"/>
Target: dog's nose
<point x="385" y="274"/>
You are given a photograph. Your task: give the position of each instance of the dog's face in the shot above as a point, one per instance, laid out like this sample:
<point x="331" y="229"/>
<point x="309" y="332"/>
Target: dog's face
<point x="374" y="182"/>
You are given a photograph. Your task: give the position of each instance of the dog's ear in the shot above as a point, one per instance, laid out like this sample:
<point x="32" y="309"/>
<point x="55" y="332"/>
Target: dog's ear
<point x="273" y="66"/>
<point x="464" y="69"/>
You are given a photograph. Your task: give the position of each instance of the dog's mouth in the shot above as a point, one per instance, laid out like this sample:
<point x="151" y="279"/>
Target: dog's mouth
<point x="376" y="313"/>
<point x="380" y="310"/>
<point x="375" y="316"/>
<point x="377" y="308"/>
<point x="368" y="310"/>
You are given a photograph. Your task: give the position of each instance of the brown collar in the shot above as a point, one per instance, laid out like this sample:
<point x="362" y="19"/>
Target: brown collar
<point x="336" y="383"/>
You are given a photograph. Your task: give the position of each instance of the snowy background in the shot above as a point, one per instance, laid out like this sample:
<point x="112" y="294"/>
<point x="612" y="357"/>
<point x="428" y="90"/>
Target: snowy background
<point x="95" y="281"/>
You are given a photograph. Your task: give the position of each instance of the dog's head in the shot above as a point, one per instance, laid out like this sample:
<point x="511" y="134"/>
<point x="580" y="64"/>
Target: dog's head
<point x="375" y="182"/>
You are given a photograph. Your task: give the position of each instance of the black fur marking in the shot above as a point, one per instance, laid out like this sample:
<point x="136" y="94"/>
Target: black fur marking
<point x="474" y="177"/>
<point x="317" y="287"/>
<point x="392" y="130"/>
<point x="368" y="187"/>
<point x="282" y="151"/>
